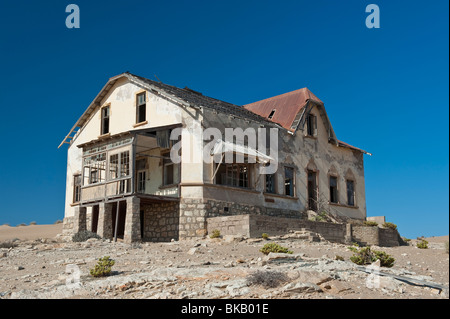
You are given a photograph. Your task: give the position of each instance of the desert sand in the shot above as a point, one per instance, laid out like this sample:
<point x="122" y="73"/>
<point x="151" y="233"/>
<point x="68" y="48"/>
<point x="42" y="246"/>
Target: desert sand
<point x="30" y="232"/>
<point x="40" y="265"/>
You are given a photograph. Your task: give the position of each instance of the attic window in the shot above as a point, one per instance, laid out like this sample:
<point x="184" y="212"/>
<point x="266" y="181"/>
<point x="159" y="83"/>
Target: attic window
<point x="311" y="125"/>
<point x="271" y="114"/>
<point x="105" y="120"/>
<point x="140" y="108"/>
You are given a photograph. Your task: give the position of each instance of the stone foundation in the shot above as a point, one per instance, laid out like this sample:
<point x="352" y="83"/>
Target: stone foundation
<point x="255" y="225"/>
<point x="161" y="221"/>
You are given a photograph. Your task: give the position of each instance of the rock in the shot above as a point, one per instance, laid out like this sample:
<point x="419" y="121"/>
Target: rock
<point x="337" y="286"/>
<point x="3" y="254"/>
<point x="233" y="238"/>
<point x="281" y="257"/>
<point x="192" y="251"/>
<point x="301" y="287"/>
<point x="314" y="277"/>
<point x="20" y="268"/>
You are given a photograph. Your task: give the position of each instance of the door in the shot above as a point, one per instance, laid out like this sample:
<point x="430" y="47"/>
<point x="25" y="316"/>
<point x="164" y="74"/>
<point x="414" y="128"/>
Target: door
<point x="312" y="190"/>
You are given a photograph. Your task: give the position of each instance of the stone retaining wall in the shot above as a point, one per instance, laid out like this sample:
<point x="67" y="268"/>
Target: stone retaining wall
<point x="251" y="225"/>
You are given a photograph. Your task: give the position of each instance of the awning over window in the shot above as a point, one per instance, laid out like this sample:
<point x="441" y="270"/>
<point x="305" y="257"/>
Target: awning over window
<point x="222" y="147"/>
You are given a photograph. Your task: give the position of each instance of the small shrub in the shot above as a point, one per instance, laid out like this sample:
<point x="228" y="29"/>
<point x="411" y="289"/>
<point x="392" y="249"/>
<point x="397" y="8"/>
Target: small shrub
<point x="33" y="223"/>
<point x="103" y="267"/>
<point x="385" y="259"/>
<point x="390" y="225"/>
<point x="267" y="279"/>
<point x="365" y="256"/>
<point x="22" y="224"/>
<point x="337" y="257"/>
<point x="84" y="235"/>
<point x="215" y="234"/>
<point x="274" y="248"/>
<point x="446" y="247"/>
<point x="370" y="223"/>
<point x="265" y="236"/>
<point x="59" y="221"/>
<point x="8" y="244"/>
<point x="422" y="244"/>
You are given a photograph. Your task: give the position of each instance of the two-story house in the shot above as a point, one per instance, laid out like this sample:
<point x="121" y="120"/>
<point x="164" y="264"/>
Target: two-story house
<point x="123" y="182"/>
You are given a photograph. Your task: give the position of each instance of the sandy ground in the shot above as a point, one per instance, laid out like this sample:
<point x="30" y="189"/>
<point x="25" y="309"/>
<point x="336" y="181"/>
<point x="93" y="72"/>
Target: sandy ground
<point x="42" y="266"/>
<point x="30" y="232"/>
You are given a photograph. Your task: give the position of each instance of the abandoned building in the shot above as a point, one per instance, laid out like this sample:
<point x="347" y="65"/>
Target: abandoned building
<point x="122" y="183"/>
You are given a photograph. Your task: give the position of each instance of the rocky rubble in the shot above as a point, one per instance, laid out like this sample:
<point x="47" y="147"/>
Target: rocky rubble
<point x="211" y="268"/>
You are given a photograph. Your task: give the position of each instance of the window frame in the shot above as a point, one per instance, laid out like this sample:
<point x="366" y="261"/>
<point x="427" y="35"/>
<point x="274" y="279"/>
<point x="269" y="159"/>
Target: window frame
<point x="311" y="125"/>
<point x="353" y="193"/>
<point x="176" y="176"/>
<point x="103" y="118"/>
<point x="334" y="194"/>
<point x="293" y="188"/>
<point x="141" y="106"/>
<point x="77" y="188"/>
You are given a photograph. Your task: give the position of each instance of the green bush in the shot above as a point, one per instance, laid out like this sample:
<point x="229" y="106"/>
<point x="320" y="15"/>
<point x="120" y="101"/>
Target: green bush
<point x="274" y="248"/>
<point x="370" y="223"/>
<point x="385" y="259"/>
<point x="103" y="267"/>
<point x="422" y="244"/>
<point x="33" y="223"/>
<point x="215" y="234"/>
<point x="337" y="257"/>
<point x="365" y="256"/>
<point x="265" y="236"/>
<point x="390" y="225"/>
<point x="84" y="235"/>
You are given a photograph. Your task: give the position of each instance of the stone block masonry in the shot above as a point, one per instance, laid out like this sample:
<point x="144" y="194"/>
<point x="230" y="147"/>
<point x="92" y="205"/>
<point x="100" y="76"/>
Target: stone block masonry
<point x="255" y="225"/>
<point x="195" y="212"/>
<point x="161" y="221"/>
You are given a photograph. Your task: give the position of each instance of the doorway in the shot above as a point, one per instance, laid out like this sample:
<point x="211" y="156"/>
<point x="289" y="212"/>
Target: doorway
<point x="94" y="224"/>
<point x="120" y="219"/>
<point x="312" y="190"/>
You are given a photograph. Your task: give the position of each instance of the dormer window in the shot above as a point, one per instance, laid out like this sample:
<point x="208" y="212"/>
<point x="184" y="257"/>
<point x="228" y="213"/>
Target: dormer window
<point x="105" y="120"/>
<point x="311" y="125"/>
<point x="140" y="108"/>
<point x="271" y="114"/>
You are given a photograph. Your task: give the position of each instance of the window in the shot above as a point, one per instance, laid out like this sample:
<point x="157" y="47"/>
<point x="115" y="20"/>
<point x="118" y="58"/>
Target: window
<point x="350" y="193"/>
<point x="233" y="174"/>
<point x="124" y="164"/>
<point x="289" y="188"/>
<point x="270" y="183"/>
<point x="105" y="120"/>
<point x="114" y="166"/>
<point x="140" y="108"/>
<point x="333" y="189"/>
<point x="94" y="169"/>
<point x="170" y="171"/>
<point x="271" y="114"/>
<point x="119" y="165"/>
<point x="76" y="188"/>
<point x="311" y="124"/>
<point x="141" y="177"/>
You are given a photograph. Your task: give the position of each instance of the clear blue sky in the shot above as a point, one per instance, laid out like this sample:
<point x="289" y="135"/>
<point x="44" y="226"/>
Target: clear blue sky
<point x="385" y="90"/>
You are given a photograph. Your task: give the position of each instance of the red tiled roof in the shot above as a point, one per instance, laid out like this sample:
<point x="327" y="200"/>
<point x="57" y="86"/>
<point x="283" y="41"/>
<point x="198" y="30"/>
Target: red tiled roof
<point x="286" y="106"/>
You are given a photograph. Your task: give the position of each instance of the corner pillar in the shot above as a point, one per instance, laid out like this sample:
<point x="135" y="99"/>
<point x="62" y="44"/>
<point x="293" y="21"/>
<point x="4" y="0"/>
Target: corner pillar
<point x="104" y="228"/>
<point x="132" y="220"/>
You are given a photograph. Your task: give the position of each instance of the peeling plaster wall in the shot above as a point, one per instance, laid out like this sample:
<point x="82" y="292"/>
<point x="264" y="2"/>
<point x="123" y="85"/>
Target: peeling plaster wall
<point x="300" y="152"/>
<point x="160" y="111"/>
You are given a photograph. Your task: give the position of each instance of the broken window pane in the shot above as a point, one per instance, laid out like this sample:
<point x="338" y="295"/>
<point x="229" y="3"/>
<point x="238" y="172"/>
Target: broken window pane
<point x="289" y="181"/>
<point x="333" y="189"/>
<point x="350" y="193"/>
